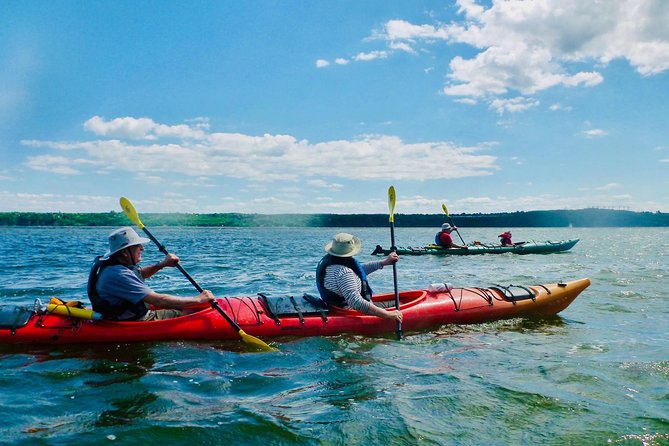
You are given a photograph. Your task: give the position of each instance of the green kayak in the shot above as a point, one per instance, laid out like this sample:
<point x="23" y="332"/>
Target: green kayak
<point x="530" y="247"/>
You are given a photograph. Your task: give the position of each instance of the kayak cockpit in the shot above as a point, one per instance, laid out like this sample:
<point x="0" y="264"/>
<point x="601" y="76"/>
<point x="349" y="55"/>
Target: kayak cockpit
<point x="407" y="299"/>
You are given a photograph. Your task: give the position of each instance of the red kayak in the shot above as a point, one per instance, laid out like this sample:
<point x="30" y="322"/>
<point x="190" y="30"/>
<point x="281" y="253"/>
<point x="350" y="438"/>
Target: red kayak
<point x="268" y="317"/>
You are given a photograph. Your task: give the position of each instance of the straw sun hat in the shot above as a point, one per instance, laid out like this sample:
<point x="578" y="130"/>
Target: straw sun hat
<point x="343" y="245"/>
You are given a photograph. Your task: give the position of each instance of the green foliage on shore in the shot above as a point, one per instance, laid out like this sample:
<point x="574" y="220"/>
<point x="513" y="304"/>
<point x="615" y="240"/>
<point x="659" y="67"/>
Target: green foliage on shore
<point x="557" y="218"/>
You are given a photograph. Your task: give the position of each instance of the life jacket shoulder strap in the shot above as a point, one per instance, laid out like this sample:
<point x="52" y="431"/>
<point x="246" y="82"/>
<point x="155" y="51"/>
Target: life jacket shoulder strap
<point x="93" y="277"/>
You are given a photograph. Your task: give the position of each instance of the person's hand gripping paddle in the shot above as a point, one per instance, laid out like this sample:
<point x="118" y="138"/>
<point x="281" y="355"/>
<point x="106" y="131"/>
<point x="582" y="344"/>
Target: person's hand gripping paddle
<point x="130" y="212"/>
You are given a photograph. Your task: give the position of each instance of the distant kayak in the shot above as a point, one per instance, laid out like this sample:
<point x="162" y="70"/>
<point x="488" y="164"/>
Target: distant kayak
<point x="530" y="247"/>
<point x="269" y="317"/>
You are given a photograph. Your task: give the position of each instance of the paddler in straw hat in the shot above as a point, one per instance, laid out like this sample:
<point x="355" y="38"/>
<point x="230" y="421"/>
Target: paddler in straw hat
<point x="342" y="280"/>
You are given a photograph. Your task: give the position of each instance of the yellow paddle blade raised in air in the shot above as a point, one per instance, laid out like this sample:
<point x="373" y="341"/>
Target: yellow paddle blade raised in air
<point x="130" y="212"/>
<point x="443" y="206"/>
<point x="391" y="203"/>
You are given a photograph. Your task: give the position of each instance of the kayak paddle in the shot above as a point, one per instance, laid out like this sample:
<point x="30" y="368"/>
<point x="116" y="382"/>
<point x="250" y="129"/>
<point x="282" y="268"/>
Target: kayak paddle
<point x="393" y="248"/>
<point x="131" y="213"/>
<point x="443" y="206"/>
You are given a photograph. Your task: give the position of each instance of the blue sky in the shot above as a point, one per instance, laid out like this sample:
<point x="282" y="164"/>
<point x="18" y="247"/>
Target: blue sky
<point x="318" y="107"/>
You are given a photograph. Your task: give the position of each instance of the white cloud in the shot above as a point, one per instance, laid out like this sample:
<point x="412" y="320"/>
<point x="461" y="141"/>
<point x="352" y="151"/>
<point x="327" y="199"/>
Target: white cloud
<point x="467" y="101"/>
<point x="545" y="202"/>
<point x="401" y="30"/>
<point x="470" y="8"/>
<point x="400" y="46"/>
<point x="266" y="157"/>
<point x="58" y="164"/>
<point x="609" y="186"/>
<point x="558" y="107"/>
<point x="149" y="179"/>
<point x="341" y="61"/>
<point x="595" y="133"/>
<point x="142" y="128"/>
<point x="528" y="46"/>
<point x="513" y="105"/>
<point x="321" y="63"/>
<point x="514" y="67"/>
<point x="48" y="202"/>
<point x="370" y="56"/>
<point x="325" y="185"/>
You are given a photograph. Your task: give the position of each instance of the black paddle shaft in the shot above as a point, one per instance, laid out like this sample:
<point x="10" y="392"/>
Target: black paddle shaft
<point x="164" y="250"/>
<point x="212" y="302"/>
<point x="393" y="248"/>
<point x="457" y="230"/>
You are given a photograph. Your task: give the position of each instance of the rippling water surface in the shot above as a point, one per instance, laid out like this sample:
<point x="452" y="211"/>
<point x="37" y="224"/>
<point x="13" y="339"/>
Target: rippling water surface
<point x="596" y="374"/>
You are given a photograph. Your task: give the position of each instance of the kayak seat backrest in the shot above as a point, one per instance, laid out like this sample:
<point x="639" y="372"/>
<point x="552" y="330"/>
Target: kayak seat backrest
<point x="13" y="318"/>
<point x="316" y="301"/>
<point x="290" y="306"/>
<point x="515" y="293"/>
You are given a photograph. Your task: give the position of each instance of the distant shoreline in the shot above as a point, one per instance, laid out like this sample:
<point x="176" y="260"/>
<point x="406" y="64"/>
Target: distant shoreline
<point x="580" y="218"/>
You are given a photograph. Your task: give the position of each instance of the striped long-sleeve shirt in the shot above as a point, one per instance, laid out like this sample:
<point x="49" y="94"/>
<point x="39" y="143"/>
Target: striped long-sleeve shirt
<point x="342" y="280"/>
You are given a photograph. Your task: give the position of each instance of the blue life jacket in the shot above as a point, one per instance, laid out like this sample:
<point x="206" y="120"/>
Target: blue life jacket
<point x="330" y="297"/>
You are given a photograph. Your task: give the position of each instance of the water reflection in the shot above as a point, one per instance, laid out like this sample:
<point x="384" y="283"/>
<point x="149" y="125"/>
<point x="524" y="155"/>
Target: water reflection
<point x="127" y="410"/>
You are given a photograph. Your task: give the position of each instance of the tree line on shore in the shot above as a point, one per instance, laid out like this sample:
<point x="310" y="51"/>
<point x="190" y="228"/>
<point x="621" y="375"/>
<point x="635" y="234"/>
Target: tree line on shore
<point x="555" y="218"/>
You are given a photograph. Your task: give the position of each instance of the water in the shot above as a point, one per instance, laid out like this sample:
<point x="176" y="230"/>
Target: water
<point x="597" y="374"/>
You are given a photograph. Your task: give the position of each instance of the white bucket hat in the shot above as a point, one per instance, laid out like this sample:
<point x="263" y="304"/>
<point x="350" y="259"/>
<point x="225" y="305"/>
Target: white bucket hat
<point x="122" y="238"/>
<point x="343" y="245"/>
<point x="447" y="227"/>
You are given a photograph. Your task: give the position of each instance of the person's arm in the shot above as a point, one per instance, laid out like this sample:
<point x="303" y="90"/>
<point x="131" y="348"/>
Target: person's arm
<point x="175" y="302"/>
<point x="385" y="314"/>
<point x="370" y="267"/>
<point x="149" y="270"/>
<point x="349" y="286"/>
<point x="449" y="242"/>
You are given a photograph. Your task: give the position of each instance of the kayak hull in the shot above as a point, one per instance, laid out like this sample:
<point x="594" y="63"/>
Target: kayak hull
<point x="546" y="247"/>
<point x="422" y="310"/>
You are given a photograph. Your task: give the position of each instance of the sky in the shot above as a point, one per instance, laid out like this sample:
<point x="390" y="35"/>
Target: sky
<point x="318" y="107"/>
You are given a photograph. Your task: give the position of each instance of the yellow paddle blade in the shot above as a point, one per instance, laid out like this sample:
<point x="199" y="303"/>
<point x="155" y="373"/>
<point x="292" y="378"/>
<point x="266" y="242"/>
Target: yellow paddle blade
<point x="391" y="203"/>
<point x="252" y="340"/>
<point x="443" y="206"/>
<point x="130" y="212"/>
